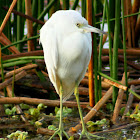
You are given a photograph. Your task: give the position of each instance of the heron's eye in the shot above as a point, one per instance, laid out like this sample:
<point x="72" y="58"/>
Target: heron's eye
<point x="78" y="24"/>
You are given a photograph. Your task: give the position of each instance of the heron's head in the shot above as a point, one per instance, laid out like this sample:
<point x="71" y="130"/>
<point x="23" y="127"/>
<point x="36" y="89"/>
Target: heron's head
<point x="70" y="20"/>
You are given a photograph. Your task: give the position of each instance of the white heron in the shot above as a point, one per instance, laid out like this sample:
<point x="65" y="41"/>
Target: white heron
<point x="66" y="41"/>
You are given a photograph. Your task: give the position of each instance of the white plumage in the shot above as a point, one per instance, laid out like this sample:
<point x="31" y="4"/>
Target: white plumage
<point x="66" y="41"/>
<point x="67" y="49"/>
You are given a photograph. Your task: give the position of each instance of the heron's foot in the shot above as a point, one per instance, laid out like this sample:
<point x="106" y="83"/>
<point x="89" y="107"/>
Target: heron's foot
<point x="89" y="135"/>
<point x="59" y="132"/>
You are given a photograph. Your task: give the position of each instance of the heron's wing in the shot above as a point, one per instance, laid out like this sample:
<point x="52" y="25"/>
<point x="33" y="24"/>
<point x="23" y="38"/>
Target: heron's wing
<point x="48" y="40"/>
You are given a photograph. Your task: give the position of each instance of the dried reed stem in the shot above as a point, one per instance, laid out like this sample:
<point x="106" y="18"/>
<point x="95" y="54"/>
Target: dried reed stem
<point x="115" y="84"/>
<point x="5" y="41"/>
<point x="35" y="101"/>
<point x="129" y="102"/>
<point x="90" y="67"/>
<point x="7" y="15"/>
<point x="28" y="8"/>
<point x="118" y="102"/>
<point x="27" y="67"/>
<point x="9" y="81"/>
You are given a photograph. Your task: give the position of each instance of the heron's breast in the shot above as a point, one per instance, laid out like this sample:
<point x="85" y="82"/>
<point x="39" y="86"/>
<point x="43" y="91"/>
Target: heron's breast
<point x="74" y="45"/>
<point x="74" y="51"/>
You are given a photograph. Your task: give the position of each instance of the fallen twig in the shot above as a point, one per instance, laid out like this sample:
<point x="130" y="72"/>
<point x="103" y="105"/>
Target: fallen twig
<point x="45" y="131"/>
<point x="126" y="126"/>
<point x="115" y="84"/>
<point x="129" y="102"/>
<point x="118" y="102"/>
<point x="35" y="101"/>
<point x="9" y="81"/>
<point x="29" y="66"/>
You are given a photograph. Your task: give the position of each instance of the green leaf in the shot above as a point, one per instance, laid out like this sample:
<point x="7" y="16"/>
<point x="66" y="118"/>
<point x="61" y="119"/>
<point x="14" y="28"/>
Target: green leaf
<point x="52" y="127"/>
<point x="8" y="111"/>
<point x="66" y="111"/>
<point x="71" y="138"/>
<point x="40" y="106"/>
<point x="122" y="110"/>
<point x="56" y="110"/>
<point x="31" y="110"/>
<point x="24" y="106"/>
<point x="90" y="123"/>
<point x="109" y="106"/>
<point x="14" y="110"/>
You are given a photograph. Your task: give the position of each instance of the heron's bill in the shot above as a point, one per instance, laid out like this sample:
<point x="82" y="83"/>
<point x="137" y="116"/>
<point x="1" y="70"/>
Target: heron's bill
<point x="89" y="28"/>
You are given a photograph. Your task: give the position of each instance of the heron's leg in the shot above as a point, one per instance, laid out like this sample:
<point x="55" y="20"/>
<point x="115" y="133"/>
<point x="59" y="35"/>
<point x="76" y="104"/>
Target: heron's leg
<point x="61" y="128"/>
<point x="84" y="130"/>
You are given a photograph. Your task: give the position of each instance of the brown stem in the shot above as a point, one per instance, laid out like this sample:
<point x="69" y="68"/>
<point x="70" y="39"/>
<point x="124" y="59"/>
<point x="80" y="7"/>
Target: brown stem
<point x="28" y="8"/>
<point x="35" y="101"/>
<point x="27" y="67"/>
<point x="118" y="102"/>
<point x="129" y="102"/>
<point x="9" y="81"/>
<point x="25" y="16"/>
<point x="5" y="41"/>
<point x="7" y="15"/>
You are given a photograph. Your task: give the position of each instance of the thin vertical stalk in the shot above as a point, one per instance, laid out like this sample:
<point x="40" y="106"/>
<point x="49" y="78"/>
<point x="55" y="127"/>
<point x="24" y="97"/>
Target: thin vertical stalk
<point x="28" y="8"/>
<point x="54" y="8"/>
<point x="14" y="38"/>
<point x="40" y="9"/>
<point x="129" y="35"/>
<point x="65" y="4"/>
<point x="34" y="8"/>
<point x="100" y="54"/>
<point x="2" y="72"/>
<point x="34" y="13"/>
<point x="2" y="13"/>
<point x="90" y="67"/>
<point x="112" y="14"/>
<point x="115" y="47"/>
<point x="19" y="35"/>
<point x="13" y="83"/>
<point x="124" y="44"/>
<point x="8" y="25"/>
<point x="75" y="4"/>
<point x="109" y="35"/>
<point x="83" y="6"/>
<point x="95" y="60"/>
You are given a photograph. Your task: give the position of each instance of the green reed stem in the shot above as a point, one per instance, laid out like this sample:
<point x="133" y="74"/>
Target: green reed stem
<point x="83" y="7"/>
<point x="112" y="19"/>
<point x="13" y="83"/>
<point x="20" y="41"/>
<point x="109" y="35"/>
<point x="20" y="62"/>
<point x="124" y="44"/>
<point x="75" y="4"/>
<point x="100" y="54"/>
<point x="66" y="4"/>
<point x="95" y="60"/>
<point x="115" y="48"/>
<point x="23" y="58"/>
<point x="2" y="72"/>
<point x="19" y="28"/>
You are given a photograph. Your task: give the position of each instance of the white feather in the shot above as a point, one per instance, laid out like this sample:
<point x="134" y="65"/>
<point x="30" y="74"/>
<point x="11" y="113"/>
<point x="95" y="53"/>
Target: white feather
<point x="67" y="49"/>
